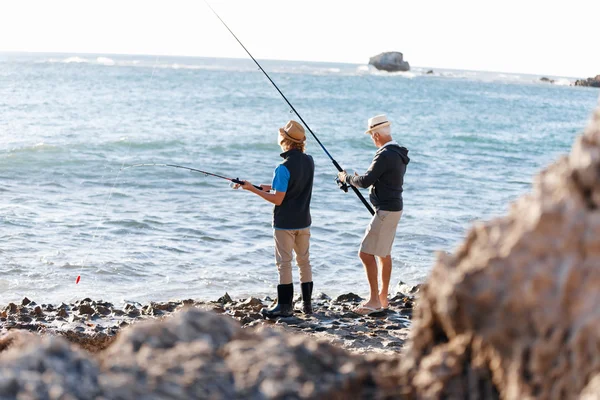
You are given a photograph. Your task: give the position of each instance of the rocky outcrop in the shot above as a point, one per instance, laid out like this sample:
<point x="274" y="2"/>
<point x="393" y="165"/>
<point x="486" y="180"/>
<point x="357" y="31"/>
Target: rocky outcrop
<point x="390" y="61"/>
<point x="514" y="312"/>
<point x="593" y="82"/>
<point x="193" y="355"/>
<point x="546" y="80"/>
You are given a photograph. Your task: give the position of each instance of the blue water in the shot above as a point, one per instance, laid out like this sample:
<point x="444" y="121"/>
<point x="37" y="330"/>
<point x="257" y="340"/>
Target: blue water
<point x="69" y="123"/>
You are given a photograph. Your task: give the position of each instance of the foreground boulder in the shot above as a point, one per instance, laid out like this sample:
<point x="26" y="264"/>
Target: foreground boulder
<point x="390" y="61"/>
<point x="593" y="82"/>
<point x="193" y="355"/>
<point x="49" y="368"/>
<point x="514" y="313"/>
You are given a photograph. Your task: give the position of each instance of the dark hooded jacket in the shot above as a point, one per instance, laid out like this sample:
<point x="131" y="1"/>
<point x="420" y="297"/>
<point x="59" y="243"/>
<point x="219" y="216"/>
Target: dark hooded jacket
<point x="385" y="176"/>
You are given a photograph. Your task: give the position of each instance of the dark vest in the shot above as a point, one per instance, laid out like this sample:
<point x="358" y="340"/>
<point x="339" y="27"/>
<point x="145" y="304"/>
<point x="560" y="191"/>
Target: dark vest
<point x="294" y="211"/>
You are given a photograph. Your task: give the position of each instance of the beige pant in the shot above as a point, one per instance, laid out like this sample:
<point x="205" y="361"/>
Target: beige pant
<point x="380" y="234"/>
<point x="297" y="241"/>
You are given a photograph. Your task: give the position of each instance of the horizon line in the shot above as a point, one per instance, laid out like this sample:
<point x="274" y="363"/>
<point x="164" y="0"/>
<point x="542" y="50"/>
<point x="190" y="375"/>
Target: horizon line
<point x="272" y="59"/>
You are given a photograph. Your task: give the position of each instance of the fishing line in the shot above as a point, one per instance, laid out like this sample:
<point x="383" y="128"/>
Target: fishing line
<point x="115" y="181"/>
<point x="335" y="163"/>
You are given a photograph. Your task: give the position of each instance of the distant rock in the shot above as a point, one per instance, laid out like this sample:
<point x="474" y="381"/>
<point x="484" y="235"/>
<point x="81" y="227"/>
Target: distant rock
<point x="593" y="82"/>
<point x="390" y="61"/>
<point x="430" y="72"/>
<point x="548" y="80"/>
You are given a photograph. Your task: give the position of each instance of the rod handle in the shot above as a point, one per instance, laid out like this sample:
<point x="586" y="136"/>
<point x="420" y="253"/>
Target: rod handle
<point x="355" y="190"/>
<point x="240" y="182"/>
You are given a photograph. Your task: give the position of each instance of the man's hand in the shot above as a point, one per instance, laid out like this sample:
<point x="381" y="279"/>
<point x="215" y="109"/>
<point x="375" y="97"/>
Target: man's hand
<point x="266" y="188"/>
<point x="342" y="176"/>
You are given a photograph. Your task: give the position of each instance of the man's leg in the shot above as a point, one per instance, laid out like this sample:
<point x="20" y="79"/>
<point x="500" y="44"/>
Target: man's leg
<point x="386" y="273"/>
<point x="370" y="264"/>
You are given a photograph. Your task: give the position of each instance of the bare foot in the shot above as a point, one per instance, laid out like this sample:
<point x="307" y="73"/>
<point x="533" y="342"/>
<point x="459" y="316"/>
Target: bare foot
<point x="371" y="304"/>
<point x="368" y="309"/>
<point x="383" y="299"/>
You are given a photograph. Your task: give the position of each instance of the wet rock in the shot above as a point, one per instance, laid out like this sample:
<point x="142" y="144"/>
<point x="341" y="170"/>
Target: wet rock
<point x="25" y="301"/>
<point x="86" y="309"/>
<point x="218" y="309"/>
<point x="62" y="313"/>
<point x="290" y="321"/>
<point x="103" y="310"/>
<point x="253" y="303"/>
<point x="134" y="312"/>
<point x="348" y="298"/>
<point x="322" y="296"/>
<point x="406" y="290"/>
<point x="394" y="344"/>
<point x="11" y="308"/>
<point x="170" y="306"/>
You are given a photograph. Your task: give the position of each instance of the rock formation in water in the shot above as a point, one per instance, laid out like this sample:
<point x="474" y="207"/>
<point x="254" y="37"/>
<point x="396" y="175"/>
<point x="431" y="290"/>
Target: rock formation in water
<point x="514" y="312"/>
<point x="593" y="82"/>
<point x="390" y="61"/>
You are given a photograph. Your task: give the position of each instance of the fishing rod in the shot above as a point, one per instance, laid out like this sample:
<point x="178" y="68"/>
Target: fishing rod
<point x="234" y="180"/>
<point x="343" y="186"/>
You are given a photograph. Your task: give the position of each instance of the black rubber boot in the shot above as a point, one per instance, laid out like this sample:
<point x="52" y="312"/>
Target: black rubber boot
<point x="283" y="308"/>
<point x="307" y="288"/>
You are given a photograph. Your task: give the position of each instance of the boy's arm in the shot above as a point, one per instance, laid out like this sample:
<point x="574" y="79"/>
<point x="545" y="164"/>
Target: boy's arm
<point x="275" y="198"/>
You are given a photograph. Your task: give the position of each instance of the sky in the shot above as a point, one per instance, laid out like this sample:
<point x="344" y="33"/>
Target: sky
<point x="525" y="36"/>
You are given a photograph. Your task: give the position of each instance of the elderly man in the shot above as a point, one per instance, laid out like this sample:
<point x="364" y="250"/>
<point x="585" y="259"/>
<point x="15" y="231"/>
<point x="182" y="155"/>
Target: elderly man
<point x="291" y="193"/>
<point x="385" y="177"/>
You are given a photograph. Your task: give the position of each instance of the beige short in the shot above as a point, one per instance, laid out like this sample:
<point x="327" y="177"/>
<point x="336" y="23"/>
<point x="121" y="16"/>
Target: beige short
<point x="380" y="234"/>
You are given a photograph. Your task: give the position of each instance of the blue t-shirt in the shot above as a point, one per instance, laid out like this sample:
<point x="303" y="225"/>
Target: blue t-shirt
<point x="281" y="178"/>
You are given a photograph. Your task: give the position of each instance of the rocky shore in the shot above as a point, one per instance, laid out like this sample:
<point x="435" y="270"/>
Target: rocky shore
<point x="94" y="324"/>
<point x="591" y="82"/>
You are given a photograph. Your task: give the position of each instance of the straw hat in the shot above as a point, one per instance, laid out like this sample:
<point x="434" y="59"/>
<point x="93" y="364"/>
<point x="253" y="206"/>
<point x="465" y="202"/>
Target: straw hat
<point x="293" y="131"/>
<point x="378" y="121"/>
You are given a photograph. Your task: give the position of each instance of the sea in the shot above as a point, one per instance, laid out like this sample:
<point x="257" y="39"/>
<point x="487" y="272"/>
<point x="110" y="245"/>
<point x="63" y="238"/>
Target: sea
<point x="71" y="205"/>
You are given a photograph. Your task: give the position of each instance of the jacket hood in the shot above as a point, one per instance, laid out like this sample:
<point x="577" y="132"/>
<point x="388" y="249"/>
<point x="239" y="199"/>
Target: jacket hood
<point x="402" y="151"/>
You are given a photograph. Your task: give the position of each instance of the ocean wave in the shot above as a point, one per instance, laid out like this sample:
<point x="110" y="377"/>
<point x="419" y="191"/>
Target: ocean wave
<point x="38" y="147"/>
<point x="75" y="59"/>
<point x="562" y="82"/>
<point x="105" y="61"/>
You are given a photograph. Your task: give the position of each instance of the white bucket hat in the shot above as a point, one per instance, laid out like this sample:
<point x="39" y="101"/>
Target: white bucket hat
<point x="378" y="121"/>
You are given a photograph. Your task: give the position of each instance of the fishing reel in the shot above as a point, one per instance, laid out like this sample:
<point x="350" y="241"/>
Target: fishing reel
<point x="342" y="185"/>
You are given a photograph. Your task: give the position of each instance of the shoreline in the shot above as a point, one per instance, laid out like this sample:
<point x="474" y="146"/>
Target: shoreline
<point x="94" y="324"/>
